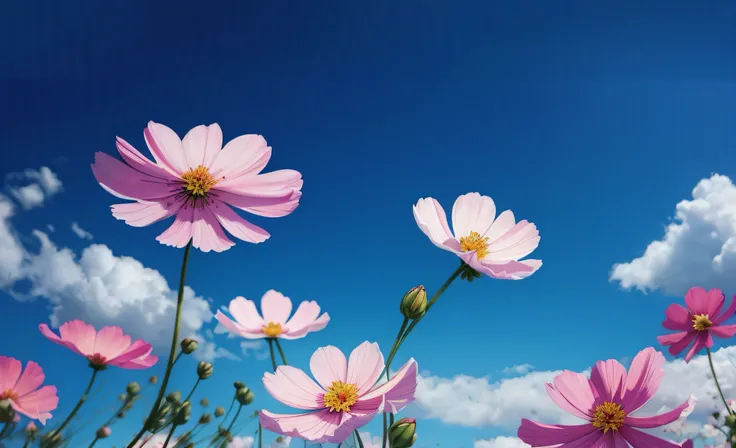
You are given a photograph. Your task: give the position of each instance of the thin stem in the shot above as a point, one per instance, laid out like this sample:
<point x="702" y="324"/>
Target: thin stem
<point x="281" y="352"/>
<point x="228" y="411"/>
<point x="28" y="443"/>
<point x="93" y="442"/>
<point x="235" y="418"/>
<point x="273" y="357"/>
<point x="171" y="433"/>
<point x="385" y="430"/>
<point x="357" y="438"/>
<point x="260" y="435"/>
<point x="395" y="347"/>
<point x="76" y="408"/>
<point x="172" y="352"/>
<point x="715" y="378"/>
<point x="192" y="391"/>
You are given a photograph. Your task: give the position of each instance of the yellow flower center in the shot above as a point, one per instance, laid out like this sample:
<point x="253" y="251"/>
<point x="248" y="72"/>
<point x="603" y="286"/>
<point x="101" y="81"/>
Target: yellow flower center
<point x="198" y="181"/>
<point x="9" y="394"/>
<point x="475" y="242"/>
<point x="272" y="329"/>
<point x="608" y="416"/>
<point x="701" y="322"/>
<point x="340" y="396"/>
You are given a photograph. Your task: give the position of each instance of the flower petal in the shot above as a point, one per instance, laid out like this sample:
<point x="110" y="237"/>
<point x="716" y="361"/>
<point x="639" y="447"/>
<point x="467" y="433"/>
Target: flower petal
<point x="294" y="388"/>
<point x="328" y="364"/>
<point x="111" y="342"/>
<point x="80" y="334"/>
<point x="180" y="231"/>
<point x="365" y="366"/>
<point x="727" y="313"/>
<point x="520" y="241"/>
<point x="696" y="300"/>
<point x="645" y="375"/>
<point x="30" y="380"/>
<point x="504" y="223"/>
<point x="136" y="350"/>
<point x="540" y="434"/>
<point x="237" y="226"/>
<point x="658" y="420"/>
<point x="139" y="162"/>
<point x="472" y="213"/>
<point x="275" y="307"/>
<point x="127" y="182"/>
<point x="246" y="154"/>
<point x="141" y="214"/>
<point x="202" y="145"/>
<point x="207" y="233"/>
<point x="399" y="391"/>
<point x="317" y="427"/>
<point x="574" y="393"/>
<point x="237" y="329"/>
<point x="245" y="313"/>
<point x="513" y="270"/>
<point x="723" y="331"/>
<point x="703" y="339"/>
<point x="431" y="219"/>
<point x="609" y="379"/>
<point x="639" y="439"/>
<point x="10" y="369"/>
<point x="677" y="318"/>
<point x="37" y="404"/>
<point x="299" y="332"/>
<point x="143" y="362"/>
<point x="166" y="147"/>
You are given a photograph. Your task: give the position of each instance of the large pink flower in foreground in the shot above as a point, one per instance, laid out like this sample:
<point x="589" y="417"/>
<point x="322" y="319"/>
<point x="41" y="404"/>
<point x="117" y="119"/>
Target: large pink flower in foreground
<point x="107" y="347"/>
<point x="275" y="322"/>
<point x="606" y="401"/>
<point x="698" y="322"/>
<point x="197" y="180"/>
<point x="492" y="246"/>
<point x="21" y="388"/>
<point x="346" y="397"/>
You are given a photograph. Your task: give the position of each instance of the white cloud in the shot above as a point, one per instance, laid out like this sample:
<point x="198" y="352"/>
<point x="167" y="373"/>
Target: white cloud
<point x="698" y="248"/>
<point x="256" y="348"/>
<point x="51" y="228"/>
<point x="11" y="251"/>
<point x="241" y="442"/>
<point x="80" y="232"/>
<point x="155" y="441"/>
<point x="500" y="442"/>
<point x="40" y="185"/>
<point x="518" y="370"/>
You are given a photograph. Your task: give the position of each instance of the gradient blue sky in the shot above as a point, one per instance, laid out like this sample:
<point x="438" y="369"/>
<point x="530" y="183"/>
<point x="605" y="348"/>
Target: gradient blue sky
<point x="590" y="119"/>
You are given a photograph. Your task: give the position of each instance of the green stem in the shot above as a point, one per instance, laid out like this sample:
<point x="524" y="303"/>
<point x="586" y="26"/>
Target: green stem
<point x="273" y="357"/>
<point x="192" y="391"/>
<point x="171" y="433"/>
<point x="281" y="352"/>
<point x="358" y="439"/>
<point x="260" y="436"/>
<point x="93" y="442"/>
<point x="715" y="378"/>
<point x="235" y="418"/>
<point x="28" y="443"/>
<point x="76" y="408"/>
<point x="228" y="411"/>
<point x="172" y="352"/>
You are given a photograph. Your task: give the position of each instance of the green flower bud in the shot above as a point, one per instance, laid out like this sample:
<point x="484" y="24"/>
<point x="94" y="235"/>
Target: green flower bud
<point x="51" y="442"/>
<point x="153" y="379"/>
<point x="6" y="412"/>
<point x="204" y="370"/>
<point x="128" y="405"/>
<point x="731" y="420"/>
<point x="188" y="346"/>
<point x="133" y="389"/>
<point x="103" y="432"/>
<point x="183" y="414"/>
<point x="204" y="402"/>
<point x="244" y="396"/>
<point x="205" y="418"/>
<point x="122" y="397"/>
<point x="238" y="385"/>
<point x="414" y="303"/>
<point x="173" y="397"/>
<point x="402" y="434"/>
<point x="219" y="411"/>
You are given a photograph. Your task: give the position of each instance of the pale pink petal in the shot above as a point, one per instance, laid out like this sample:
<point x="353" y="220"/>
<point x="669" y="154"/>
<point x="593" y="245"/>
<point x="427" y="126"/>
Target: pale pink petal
<point x="361" y="413"/>
<point x="703" y="339"/>
<point x="306" y="313"/>
<point x="202" y="145"/>
<point x="501" y="225"/>
<point x="727" y="313"/>
<point x="30" y="380"/>
<point x="328" y="364"/>
<point x="472" y="213"/>
<point x="180" y="232"/>
<point x="279" y="180"/>
<point x="365" y="366"/>
<point x="275" y="307"/>
<point x="609" y="380"/>
<point x="10" y="369"/>
<point x="574" y="393"/>
<point x="166" y="147"/>
<point x="81" y="334"/>
<point x="50" y="335"/>
<point x="539" y="434"/>
<point x="431" y="219"/>
<point x="639" y="439"/>
<point x="276" y="209"/>
<point x="37" y="404"/>
<point x="299" y="332"/>
<point x="398" y="391"/>
<point x="136" y="350"/>
<point x="110" y="342"/>
<point x="314" y="426"/>
<point x="246" y="154"/>
<point x="244" y="311"/>
<point x="139" y="162"/>
<point x="696" y="300"/>
<point x="677" y="318"/>
<point x="237" y="329"/>
<point x="513" y="270"/>
<point x="294" y="388"/>
<point x="207" y="233"/>
<point x="141" y="214"/>
<point x="723" y="331"/>
<point x="125" y="181"/>
<point x="658" y="420"/>
<point x="237" y="226"/>
<point x="645" y="375"/>
<point x="515" y="244"/>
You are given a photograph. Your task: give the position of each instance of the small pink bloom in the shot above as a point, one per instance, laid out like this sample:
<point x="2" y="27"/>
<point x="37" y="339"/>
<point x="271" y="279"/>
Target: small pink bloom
<point x="198" y="181"/>
<point x="345" y="396"/>
<point x="606" y="401"/>
<point x="107" y="347"/>
<point x="16" y="418"/>
<point x="699" y="322"/>
<point x="275" y="322"/>
<point x="22" y="388"/>
<point x="492" y="246"/>
<point x="30" y="427"/>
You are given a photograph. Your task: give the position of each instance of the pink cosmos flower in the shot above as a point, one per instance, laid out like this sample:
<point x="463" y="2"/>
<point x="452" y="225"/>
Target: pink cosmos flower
<point x="492" y="246"/>
<point x="197" y="180"/>
<point x="275" y="322"/>
<point x="107" y="347"/>
<point x="606" y="401"/>
<point x="344" y="398"/>
<point x="22" y="389"/>
<point x="699" y="322"/>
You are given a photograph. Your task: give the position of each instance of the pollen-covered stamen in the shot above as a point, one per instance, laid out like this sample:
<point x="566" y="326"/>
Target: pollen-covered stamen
<point x="608" y="416"/>
<point x="340" y="396"/>
<point x="9" y="394"/>
<point x="198" y="181"/>
<point x="272" y="329"/>
<point x="97" y="360"/>
<point x="701" y="322"/>
<point x="475" y="242"/>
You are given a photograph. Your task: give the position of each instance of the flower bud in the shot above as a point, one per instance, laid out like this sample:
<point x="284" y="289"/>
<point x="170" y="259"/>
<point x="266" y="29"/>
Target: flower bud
<point x="731" y="420"/>
<point x="188" y="346"/>
<point x="183" y="414"/>
<point x="133" y="389"/>
<point x="153" y="379"/>
<point x="205" y="418"/>
<point x="7" y="414"/>
<point x="204" y="402"/>
<point x="122" y="397"/>
<point x="103" y="432"/>
<point x="414" y="303"/>
<point x="402" y="434"/>
<point x="238" y="385"/>
<point x="244" y="396"/>
<point x="219" y="411"/>
<point x="120" y="414"/>
<point x="204" y="370"/>
<point x="173" y="397"/>
<point x="31" y="429"/>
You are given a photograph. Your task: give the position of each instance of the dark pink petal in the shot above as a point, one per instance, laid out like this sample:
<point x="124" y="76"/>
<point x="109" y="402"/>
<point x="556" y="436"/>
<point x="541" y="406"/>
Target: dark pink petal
<point x="541" y="435"/>
<point x="677" y="318"/>
<point x="294" y="388"/>
<point x="239" y="227"/>
<point x="365" y="365"/>
<point x="723" y="331"/>
<point x="675" y="338"/>
<point x="682" y="344"/>
<point x="727" y="313"/>
<point x="658" y="420"/>
<point x="639" y="439"/>
<point x="243" y="155"/>
<point x="399" y="391"/>
<point x="714" y="303"/>
<point x="37" y="404"/>
<point x="139" y="162"/>
<point x="594" y="440"/>
<point x="280" y="180"/>
<point x="127" y="182"/>
<point x="645" y="375"/>
<point x="10" y="369"/>
<point x="328" y="364"/>
<point x="166" y="147"/>
<point x="111" y="342"/>
<point x="574" y="393"/>
<point x="609" y="380"/>
<point x="136" y="350"/>
<point x="141" y="214"/>
<point x="202" y="145"/>
<point x="696" y="300"/>
<point x="704" y="339"/>
<point x="30" y="380"/>
<point x="314" y="426"/>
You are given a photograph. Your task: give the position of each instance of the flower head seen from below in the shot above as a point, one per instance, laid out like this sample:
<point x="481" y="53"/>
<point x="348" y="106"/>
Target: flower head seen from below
<point x="490" y="245"/>
<point x="107" y="347"/>
<point x="22" y="388"/>
<point x="197" y="180"/>
<point x="698" y="323"/>
<point x="275" y="323"/>
<point x="606" y="401"/>
<point x="345" y="396"/>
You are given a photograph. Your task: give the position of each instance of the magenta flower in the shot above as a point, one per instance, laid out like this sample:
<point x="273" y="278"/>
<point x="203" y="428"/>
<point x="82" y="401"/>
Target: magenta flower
<point x="275" y="322"/>
<point x="22" y="388"/>
<point x="606" y="401"/>
<point x="344" y="398"/>
<point x="698" y="322"/>
<point x="107" y="347"/>
<point x="198" y="181"/>
<point x="492" y="246"/>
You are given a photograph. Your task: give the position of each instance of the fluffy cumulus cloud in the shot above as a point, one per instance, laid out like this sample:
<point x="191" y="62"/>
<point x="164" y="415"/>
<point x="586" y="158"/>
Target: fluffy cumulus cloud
<point x="11" y="251"/>
<point x="80" y="232"/>
<point x="500" y="442"/>
<point x="518" y="370"/>
<point x="698" y="247"/>
<point x="32" y="188"/>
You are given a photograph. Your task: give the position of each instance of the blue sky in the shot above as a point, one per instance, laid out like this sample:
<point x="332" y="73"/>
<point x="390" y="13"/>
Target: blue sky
<point x="592" y="121"/>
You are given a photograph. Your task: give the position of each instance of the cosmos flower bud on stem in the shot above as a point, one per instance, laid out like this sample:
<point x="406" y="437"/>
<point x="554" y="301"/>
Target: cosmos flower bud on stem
<point x="133" y="389"/>
<point x="183" y="414"/>
<point x="153" y="379"/>
<point x="402" y="434"/>
<point x="188" y="346"/>
<point x="238" y="385"/>
<point x="122" y="397"/>
<point x="6" y="412"/>
<point x="205" y="418"/>
<point x="173" y="397"/>
<point x="204" y="402"/>
<point x="244" y="396"/>
<point x="219" y="411"/>
<point x="31" y="429"/>
<point x="731" y="420"/>
<point x="204" y="370"/>
<point x="414" y="303"/>
<point x="103" y="432"/>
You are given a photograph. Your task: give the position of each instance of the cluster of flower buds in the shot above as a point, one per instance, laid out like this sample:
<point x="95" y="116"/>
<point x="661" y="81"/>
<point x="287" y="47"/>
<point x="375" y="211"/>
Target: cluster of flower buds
<point x="414" y="303"/>
<point x="403" y="433"/>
